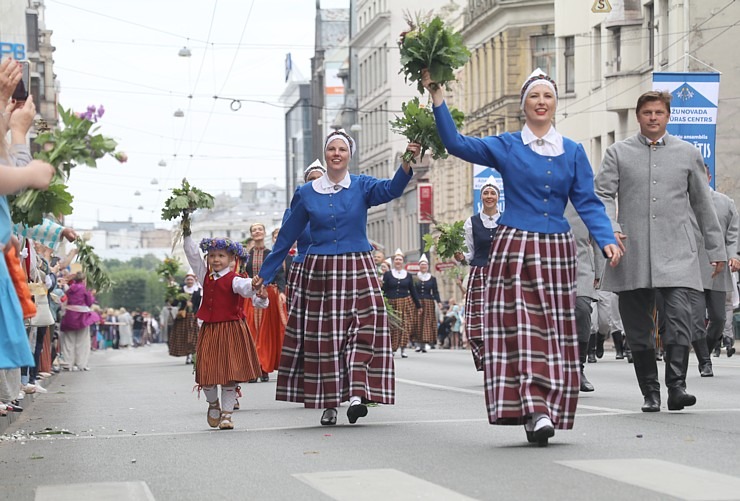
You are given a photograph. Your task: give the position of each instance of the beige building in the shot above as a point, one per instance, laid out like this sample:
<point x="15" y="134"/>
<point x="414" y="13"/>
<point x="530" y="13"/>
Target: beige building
<point x="606" y="60"/>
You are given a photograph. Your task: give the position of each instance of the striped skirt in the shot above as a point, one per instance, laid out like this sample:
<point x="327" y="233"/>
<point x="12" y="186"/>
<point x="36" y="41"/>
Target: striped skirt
<point x="530" y="345"/>
<point x="406" y="310"/>
<point x="184" y="336"/>
<point x="269" y="339"/>
<point x="337" y="343"/>
<point x="474" y="312"/>
<point x="424" y="326"/>
<point x="290" y="281"/>
<point x="225" y="354"/>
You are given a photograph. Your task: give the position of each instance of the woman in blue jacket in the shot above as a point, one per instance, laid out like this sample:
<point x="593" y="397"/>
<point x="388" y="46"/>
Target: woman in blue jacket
<point x="530" y="347"/>
<point x="337" y="345"/>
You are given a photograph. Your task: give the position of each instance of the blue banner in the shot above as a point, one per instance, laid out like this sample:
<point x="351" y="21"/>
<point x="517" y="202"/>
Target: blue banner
<point x="693" y="110"/>
<point x="480" y="176"/>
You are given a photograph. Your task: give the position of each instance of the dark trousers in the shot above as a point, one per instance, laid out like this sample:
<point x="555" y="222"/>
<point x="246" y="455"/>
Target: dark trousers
<point x="34" y="371"/>
<point x="583" y="318"/>
<point x="637" y="309"/>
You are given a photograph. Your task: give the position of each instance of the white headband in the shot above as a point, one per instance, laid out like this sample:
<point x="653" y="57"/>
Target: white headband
<point x="537" y="77"/>
<point x="316" y="165"/>
<point x="341" y="134"/>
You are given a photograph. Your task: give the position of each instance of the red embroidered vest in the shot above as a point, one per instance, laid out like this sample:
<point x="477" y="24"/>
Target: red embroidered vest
<point x="220" y="303"/>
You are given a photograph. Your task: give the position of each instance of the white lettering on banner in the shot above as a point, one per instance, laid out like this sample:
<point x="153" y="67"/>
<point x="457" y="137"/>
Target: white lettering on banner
<point x="704" y="148"/>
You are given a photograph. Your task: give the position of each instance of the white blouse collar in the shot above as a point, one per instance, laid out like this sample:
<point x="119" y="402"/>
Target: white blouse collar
<point x="325" y="185"/>
<point x="489" y="221"/>
<point x="551" y="143"/>
<point x="399" y="274"/>
<point x="424" y="276"/>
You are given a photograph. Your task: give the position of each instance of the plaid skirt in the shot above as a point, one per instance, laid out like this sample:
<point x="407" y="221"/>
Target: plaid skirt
<point x="225" y="354"/>
<point x="269" y="339"/>
<point x="337" y="343"/>
<point x="290" y="281"/>
<point x="530" y="344"/>
<point x="406" y="311"/>
<point x="474" y="312"/>
<point x="424" y="326"/>
<point x="184" y="336"/>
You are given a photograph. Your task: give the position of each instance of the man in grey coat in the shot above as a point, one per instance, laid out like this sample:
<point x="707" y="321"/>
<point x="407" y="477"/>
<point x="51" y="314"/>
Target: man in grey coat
<point x="657" y="179"/>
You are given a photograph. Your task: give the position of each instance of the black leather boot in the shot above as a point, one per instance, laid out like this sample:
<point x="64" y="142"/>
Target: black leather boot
<point x="586" y="385"/>
<point x="592" y="349"/>
<point x="600" y="345"/>
<point x="646" y="370"/>
<point x="676" y="364"/>
<point x="628" y="351"/>
<point x="618" y="344"/>
<point x="702" y="355"/>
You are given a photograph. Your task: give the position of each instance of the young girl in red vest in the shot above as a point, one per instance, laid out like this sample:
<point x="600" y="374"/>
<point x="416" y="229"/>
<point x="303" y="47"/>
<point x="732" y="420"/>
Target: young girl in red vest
<point x="225" y="353"/>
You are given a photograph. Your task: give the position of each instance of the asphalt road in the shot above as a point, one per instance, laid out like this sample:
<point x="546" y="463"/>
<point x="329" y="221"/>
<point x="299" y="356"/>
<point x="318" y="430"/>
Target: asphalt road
<point x="132" y="428"/>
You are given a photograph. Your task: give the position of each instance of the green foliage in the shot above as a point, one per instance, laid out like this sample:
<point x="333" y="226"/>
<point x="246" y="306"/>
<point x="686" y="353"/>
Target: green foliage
<point x="74" y="144"/>
<point x="97" y="276"/>
<point x="135" y="289"/>
<point x="450" y="239"/>
<point x="418" y="126"/>
<point x="184" y="201"/>
<point x="430" y="44"/>
<point x="168" y="268"/>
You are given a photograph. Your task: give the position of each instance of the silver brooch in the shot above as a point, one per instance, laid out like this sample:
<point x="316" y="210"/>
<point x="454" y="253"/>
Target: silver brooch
<point x="540" y="141"/>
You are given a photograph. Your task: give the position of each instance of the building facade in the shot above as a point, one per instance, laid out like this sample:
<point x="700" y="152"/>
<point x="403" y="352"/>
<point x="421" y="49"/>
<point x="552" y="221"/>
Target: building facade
<point x="298" y="140"/>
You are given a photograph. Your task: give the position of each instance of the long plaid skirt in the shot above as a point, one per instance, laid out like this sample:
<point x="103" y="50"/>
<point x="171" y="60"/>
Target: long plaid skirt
<point x="269" y="339"/>
<point x="290" y="281"/>
<point x="424" y="329"/>
<point x="474" y="312"/>
<point x="225" y="354"/>
<point x="184" y="335"/>
<point x="530" y="345"/>
<point x="337" y="343"/>
<point x="406" y="310"/>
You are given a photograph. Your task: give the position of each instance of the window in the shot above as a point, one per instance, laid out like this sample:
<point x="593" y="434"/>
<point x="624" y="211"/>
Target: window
<point x="616" y="49"/>
<point x="596" y="57"/>
<point x="570" y="64"/>
<point x="41" y="69"/>
<point x="543" y="54"/>
<point x="650" y="33"/>
<point x="32" y="30"/>
<point x="36" y="89"/>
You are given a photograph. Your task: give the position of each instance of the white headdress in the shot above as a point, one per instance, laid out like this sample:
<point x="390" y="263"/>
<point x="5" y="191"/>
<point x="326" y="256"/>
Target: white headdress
<point x="490" y="183"/>
<point x="399" y="252"/>
<point x="423" y="259"/>
<point x="341" y="134"/>
<point x="538" y="77"/>
<point x="316" y="165"/>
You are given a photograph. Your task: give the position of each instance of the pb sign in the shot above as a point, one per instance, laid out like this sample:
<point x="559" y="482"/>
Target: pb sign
<point x="16" y="50"/>
<point x="601" y="7"/>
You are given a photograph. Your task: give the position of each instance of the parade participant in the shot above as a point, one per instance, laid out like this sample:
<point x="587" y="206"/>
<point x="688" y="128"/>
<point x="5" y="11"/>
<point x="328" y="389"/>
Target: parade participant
<point x="424" y="331"/>
<point x="225" y="354"/>
<point x="76" y="321"/>
<point x="183" y="337"/>
<point x="267" y="325"/>
<point x="709" y="305"/>
<point x="585" y="290"/>
<point x="530" y="358"/>
<point x="656" y="177"/>
<point x="398" y="287"/>
<point x="379" y="258"/>
<point x="479" y="232"/>
<point x="312" y="172"/>
<point x="337" y="345"/>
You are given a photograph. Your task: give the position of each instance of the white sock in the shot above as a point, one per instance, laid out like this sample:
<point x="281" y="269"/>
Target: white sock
<point x="354" y="401"/>
<point x="211" y="393"/>
<point x="228" y="398"/>
<point x="541" y="420"/>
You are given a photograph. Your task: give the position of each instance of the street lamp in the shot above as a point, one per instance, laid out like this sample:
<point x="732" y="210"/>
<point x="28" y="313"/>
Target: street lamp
<point x="162" y="163"/>
<point x="184" y="52"/>
<point x="179" y="113"/>
<point x="154" y="181"/>
<point x="137" y="193"/>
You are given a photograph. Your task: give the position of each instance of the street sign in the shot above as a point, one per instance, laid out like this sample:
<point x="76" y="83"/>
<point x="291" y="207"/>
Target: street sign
<point x="445" y="266"/>
<point x="412" y="267"/>
<point x="601" y="7"/>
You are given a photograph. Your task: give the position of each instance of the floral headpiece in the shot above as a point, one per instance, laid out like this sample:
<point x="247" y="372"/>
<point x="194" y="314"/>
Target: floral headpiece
<point x="226" y="244"/>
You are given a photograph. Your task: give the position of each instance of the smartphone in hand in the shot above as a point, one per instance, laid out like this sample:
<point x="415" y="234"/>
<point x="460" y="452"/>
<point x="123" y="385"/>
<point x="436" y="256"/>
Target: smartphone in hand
<point x="20" y="94"/>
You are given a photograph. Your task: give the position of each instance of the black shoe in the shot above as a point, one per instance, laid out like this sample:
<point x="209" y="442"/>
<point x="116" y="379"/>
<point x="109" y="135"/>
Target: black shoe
<point x="718" y="350"/>
<point x="600" y="345"/>
<point x="678" y="399"/>
<point x="646" y="370"/>
<point x="542" y="435"/>
<point x="252" y="380"/>
<point x="586" y="385"/>
<point x="264" y="378"/>
<point x="591" y="349"/>
<point x="418" y="349"/>
<point x="676" y="363"/>
<point x="730" y="351"/>
<point x="329" y="417"/>
<point x="355" y="412"/>
<point x="705" y="370"/>
<point x="618" y="344"/>
<point x="591" y="357"/>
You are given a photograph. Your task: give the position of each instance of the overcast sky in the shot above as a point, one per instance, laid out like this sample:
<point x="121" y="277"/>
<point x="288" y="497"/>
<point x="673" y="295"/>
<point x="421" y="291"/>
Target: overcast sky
<point x="124" y="55"/>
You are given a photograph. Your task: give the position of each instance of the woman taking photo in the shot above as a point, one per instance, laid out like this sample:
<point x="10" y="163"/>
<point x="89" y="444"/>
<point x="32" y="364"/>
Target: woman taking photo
<point x="398" y="287"/>
<point x="479" y="232"/>
<point x="530" y="346"/>
<point x="337" y="345"/>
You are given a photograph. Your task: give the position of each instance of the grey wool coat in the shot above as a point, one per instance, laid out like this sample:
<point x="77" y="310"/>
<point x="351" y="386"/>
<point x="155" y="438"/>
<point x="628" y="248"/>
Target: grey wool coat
<point x="729" y="221"/>
<point x="656" y="188"/>
<point x="585" y="263"/>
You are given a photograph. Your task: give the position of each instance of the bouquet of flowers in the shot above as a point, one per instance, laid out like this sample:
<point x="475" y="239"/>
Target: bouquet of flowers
<point x="97" y="277"/>
<point x="431" y="45"/>
<point x="450" y="239"/>
<point x="184" y="201"/>
<point x="77" y="143"/>
<point x="168" y="268"/>
<point x="418" y="126"/>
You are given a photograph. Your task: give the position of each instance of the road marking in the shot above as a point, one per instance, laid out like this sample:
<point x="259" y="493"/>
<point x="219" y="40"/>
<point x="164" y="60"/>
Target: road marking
<point x="110" y="491"/>
<point x="677" y="480"/>
<point x="371" y="485"/>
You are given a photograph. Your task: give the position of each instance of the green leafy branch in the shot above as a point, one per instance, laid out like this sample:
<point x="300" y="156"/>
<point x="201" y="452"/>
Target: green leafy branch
<point x="449" y="239"/>
<point x="418" y="126"/>
<point x="97" y="276"/>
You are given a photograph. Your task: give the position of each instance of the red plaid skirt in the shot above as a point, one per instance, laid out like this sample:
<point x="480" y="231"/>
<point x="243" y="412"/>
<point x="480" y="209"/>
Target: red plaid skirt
<point x="290" y="281"/>
<point x="530" y="345"/>
<point x="474" y="311"/>
<point x="406" y="310"/>
<point x="336" y="342"/>
<point x="424" y="329"/>
<point x="184" y="336"/>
